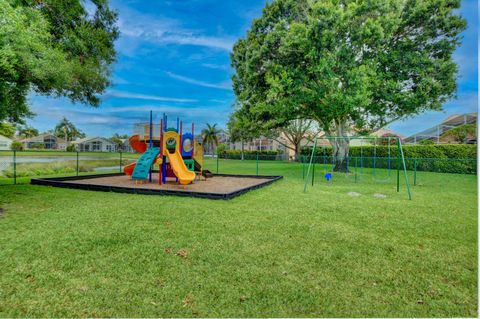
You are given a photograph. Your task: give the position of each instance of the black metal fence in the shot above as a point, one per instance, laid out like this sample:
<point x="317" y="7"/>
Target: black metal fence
<point x="20" y="166"/>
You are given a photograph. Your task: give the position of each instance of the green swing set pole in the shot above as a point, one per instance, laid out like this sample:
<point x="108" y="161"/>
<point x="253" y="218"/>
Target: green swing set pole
<point x="404" y="169"/>
<point x="309" y="166"/>
<point x="415" y="172"/>
<point x="313" y="171"/>
<point x="303" y="166"/>
<point x="398" y="164"/>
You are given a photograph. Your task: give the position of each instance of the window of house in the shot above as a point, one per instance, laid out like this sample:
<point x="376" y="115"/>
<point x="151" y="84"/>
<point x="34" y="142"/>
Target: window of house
<point x="50" y="142"/>
<point x="96" y="146"/>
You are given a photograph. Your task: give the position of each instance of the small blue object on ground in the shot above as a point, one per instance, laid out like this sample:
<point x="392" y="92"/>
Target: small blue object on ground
<point x="328" y="177"/>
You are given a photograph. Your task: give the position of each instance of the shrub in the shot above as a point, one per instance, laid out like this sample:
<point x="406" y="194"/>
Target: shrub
<point x="221" y="148"/>
<point x="38" y="146"/>
<point x="16" y="146"/>
<point x="237" y="154"/>
<point x="71" y="148"/>
<point x="427" y="142"/>
<point x="452" y="151"/>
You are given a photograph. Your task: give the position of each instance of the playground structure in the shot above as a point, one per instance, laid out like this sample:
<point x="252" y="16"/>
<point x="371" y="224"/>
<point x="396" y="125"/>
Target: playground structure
<point x="180" y="163"/>
<point x="177" y="153"/>
<point x="358" y="165"/>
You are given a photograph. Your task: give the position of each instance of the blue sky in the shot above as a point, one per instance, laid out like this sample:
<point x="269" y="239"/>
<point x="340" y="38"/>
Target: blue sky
<point x="173" y="57"/>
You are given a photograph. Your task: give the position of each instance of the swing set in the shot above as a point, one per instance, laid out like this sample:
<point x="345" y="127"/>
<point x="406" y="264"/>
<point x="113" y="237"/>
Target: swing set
<point x="359" y="164"/>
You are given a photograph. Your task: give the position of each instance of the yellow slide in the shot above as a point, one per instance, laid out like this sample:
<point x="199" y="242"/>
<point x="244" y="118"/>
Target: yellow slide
<point x="185" y="176"/>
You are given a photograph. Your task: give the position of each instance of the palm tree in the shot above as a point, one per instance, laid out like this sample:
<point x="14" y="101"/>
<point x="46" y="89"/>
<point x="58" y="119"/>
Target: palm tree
<point x="67" y="130"/>
<point x="27" y="131"/>
<point x="210" y="135"/>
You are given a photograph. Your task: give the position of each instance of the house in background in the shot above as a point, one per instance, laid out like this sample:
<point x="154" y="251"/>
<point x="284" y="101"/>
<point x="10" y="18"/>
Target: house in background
<point x="126" y="146"/>
<point x="435" y="133"/>
<point x="94" y="144"/>
<point x="5" y="143"/>
<point x="44" y="141"/>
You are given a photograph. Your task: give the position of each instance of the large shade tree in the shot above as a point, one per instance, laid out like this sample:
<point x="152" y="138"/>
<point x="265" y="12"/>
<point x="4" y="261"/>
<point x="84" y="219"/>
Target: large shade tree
<point x="55" y="48"/>
<point x="347" y="64"/>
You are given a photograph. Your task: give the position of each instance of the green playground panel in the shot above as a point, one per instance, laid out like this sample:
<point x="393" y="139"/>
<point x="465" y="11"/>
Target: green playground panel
<point x="190" y="164"/>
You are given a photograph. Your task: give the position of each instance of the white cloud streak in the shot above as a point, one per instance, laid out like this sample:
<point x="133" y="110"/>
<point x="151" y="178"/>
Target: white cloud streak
<point x="129" y="95"/>
<point x="222" y="86"/>
<point x="143" y="27"/>
<point x="223" y="67"/>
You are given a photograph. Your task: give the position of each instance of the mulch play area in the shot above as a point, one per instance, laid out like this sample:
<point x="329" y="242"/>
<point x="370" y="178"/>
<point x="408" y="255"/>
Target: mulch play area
<point x="220" y="186"/>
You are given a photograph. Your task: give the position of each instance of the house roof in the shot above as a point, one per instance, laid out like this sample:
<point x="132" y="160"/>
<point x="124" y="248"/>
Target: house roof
<point x="447" y="124"/>
<point x="4" y="138"/>
<point x="383" y="131"/>
<point x="39" y="138"/>
<point x="90" y="138"/>
<point x="459" y="119"/>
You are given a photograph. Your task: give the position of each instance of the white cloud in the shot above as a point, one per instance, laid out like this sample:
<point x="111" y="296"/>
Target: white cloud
<point x="129" y="95"/>
<point x="222" y="86"/>
<point x="143" y="27"/>
<point x="175" y="110"/>
<point x="223" y="67"/>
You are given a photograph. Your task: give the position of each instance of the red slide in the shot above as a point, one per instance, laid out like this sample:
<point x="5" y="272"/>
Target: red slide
<point x="138" y="146"/>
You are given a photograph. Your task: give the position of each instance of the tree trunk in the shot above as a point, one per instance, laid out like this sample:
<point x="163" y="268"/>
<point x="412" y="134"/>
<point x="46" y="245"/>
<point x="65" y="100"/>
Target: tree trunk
<point x="341" y="145"/>
<point x="297" y="152"/>
<point x="340" y="154"/>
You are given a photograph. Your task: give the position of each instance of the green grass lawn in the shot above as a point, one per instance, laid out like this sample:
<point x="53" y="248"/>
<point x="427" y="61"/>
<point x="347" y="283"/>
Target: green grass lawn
<point x="274" y="252"/>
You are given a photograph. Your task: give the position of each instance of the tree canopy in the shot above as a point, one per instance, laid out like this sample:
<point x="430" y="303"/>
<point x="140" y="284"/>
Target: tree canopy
<point x="27" y="131"/>
<point x="347" y="64"/>
<point x="56" y="48"/>
<point x="7" y="130"/>
<point x="118" y="140"/>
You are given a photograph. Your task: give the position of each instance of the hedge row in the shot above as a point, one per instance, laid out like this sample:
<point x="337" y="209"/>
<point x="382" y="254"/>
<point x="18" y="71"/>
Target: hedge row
<point x="234" y="152"/>
<point x="439" y="165"/>
<point x="262" y="155"/>
<point x="451" y="151"/>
